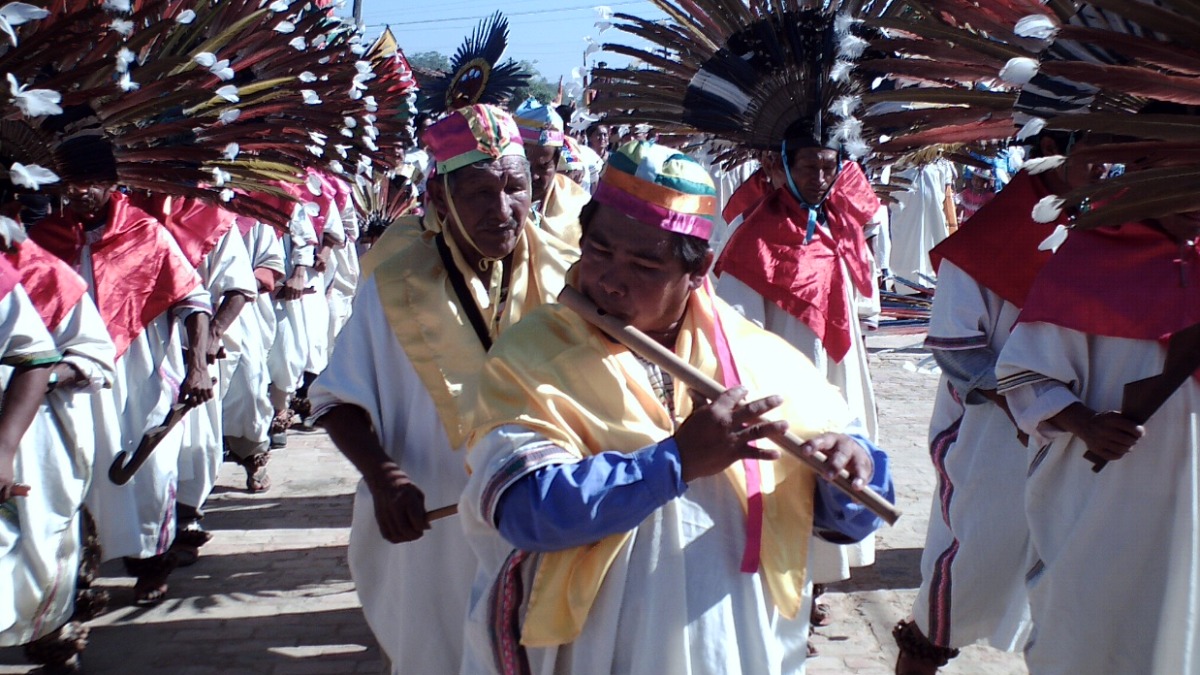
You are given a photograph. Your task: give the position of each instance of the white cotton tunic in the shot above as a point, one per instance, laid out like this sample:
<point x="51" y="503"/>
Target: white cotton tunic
<point x="414" y="595"/>
<point x="918" y="222"/>
<point x="226" y="269"/>
<point x="827" y="562"/>
<point x="138" y="519"/>
<point x="977" y="545"/>
<point x="246" y="407"/>
<point x="345" y="274"/>
<point x="289" y="352"/>
<point x="1116" y="587"/>
<point x="674" y="602"/>
<point x="40" y="538"/>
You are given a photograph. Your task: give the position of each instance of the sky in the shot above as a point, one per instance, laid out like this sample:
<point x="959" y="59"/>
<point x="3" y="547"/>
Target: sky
<point x="548" y="32"/>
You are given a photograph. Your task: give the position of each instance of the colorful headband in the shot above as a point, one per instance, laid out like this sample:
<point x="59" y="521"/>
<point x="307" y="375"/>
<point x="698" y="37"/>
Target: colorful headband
<point x="473" y="134"/>
<point x="539" y="124"/>
<point x="659" y="186"/>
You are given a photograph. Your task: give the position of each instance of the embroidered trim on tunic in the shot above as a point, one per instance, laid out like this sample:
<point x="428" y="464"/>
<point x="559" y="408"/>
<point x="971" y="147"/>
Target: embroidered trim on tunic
<point x="1019" y="380"/>
<point x="941" y="583"/>
<point x="524" y="461"/>
<point x="954" y="344"/>
<point x="504" y="622"/>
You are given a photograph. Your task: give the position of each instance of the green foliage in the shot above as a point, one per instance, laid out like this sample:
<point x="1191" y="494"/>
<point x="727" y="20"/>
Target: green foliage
<point x="538" y="88"/>
<point x="430" y="61"/>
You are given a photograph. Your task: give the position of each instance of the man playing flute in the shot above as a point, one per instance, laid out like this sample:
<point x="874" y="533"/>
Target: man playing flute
<point x="622" y="523"/>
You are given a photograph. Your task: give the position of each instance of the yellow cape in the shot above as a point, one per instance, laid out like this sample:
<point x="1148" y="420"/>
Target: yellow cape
<point x="430" y="324"/>
<point x="556" y="375"/>
<point x="560" y="213"/>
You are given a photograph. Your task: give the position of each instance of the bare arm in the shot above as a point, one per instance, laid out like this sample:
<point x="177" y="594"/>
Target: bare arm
<point x="231" y="305"/>
<point x="197" y="384"/>
<point x="25" y="392"/>
<point x="399" y="503"/>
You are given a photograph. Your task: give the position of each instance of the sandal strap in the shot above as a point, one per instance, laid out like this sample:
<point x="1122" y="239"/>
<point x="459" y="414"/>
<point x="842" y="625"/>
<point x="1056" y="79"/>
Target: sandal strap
<point x="914" y="643"/>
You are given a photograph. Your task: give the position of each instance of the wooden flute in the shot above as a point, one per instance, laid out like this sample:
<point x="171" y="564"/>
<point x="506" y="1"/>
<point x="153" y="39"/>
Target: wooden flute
<point x="702" y="384"/>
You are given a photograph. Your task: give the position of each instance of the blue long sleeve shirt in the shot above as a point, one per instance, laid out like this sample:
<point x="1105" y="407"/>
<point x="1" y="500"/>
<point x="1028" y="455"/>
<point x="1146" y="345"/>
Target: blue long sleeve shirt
<point x="567" y="505"/>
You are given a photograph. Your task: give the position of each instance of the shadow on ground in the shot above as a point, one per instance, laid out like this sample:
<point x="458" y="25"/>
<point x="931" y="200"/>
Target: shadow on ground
<point x="895" y="569"/>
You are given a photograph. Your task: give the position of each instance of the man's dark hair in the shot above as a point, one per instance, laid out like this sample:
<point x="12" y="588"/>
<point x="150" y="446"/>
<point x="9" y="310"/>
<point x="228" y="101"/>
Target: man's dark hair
<point x="1062" y="141"/>
<point x="689" y="250"/>
<point x="594" y="127"/>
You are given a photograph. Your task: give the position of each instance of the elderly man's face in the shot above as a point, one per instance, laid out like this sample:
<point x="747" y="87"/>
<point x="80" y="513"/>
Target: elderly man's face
<point x="492" y="201"/>
<point x="814" y="170"/>
<point x="543" y="165"/>
<point x="632" y="271"/>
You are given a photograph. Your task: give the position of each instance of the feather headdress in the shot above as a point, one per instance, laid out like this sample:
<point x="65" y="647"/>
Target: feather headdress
<point x="185" y="97"/>
<point x="1141" y="65"/>
<point x="750" y="74"/>
<point x="476" y="73"/>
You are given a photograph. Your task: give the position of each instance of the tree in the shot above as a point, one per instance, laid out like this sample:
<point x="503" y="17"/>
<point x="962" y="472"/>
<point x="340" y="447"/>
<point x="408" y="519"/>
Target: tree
<point x="430" y="61"/>
<point x="537" y="87"/>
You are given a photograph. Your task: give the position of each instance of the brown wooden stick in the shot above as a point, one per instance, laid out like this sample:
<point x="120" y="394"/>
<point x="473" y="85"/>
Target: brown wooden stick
<point x="444" y="512"/>
<point x="20" y="490"/>
<point x="710" y="389"/>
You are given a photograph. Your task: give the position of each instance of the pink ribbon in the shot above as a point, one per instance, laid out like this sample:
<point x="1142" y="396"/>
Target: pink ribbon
<point x="751" y="555"/>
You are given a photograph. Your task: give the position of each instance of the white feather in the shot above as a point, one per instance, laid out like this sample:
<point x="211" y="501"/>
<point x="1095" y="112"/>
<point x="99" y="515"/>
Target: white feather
<point x="117" y="5"/>
<point x="34" y="102"/>
<point x="307" y="77"/>
<point x="220" y="177"/>
<point x="336" y="167"/>
<point x="230" y="116"/>
<point x="31" y="176"/>
<point x="843" y="22"/>
<point x="125" y="58"/>
<point x="186" y="16"/>
<point x="1048" y="210"/>
<point x="310" y="97"/>
<point x="313" y="183"/>
<point x="1044" y="164"/>
<point x="840" y="71"/>
<point x="126" y="83"/>
<point x="278" y="6"/>
<point x="298" y="43"/>
<point x="231" y="151"/>
<point x="851" y="47"/>
<point x="1032" y="128"/>
<point x="1019" y="70"/>
<point x="229" y="92"/>
<point x="227" y="195"/>
<point x="206" y="59"/>
<point x="16" y="13"/>
<point x="11" y="232"/>
<point x="846" y="106"/>
<point x="122" y="26"/>
<point x="1055" y="239"/>
<point x="285" y="27"/>
<point x="1037" y="27"/>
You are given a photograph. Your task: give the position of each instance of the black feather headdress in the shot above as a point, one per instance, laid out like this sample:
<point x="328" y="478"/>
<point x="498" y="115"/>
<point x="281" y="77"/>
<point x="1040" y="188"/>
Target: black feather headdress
<point x="750" y="75"/>
<point x="476" y="73"/>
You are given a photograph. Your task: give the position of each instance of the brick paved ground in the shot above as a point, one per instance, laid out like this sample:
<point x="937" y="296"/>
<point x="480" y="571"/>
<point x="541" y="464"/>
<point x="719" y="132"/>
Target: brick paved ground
<point x="272" y="594"/>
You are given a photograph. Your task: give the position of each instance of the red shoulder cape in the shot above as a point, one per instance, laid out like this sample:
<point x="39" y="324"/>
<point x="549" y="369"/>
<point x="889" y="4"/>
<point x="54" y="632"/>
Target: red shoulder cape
<point x="9" y="277"/>
<point x="747" y="196"/>
<point x="1132" y="281"/>
<point x="196" y="226"/>
<point x="768" y="253"/>
<point x="137" y="276"/>
<point x="52" y="285"/>
<point x="998" y="246"/>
